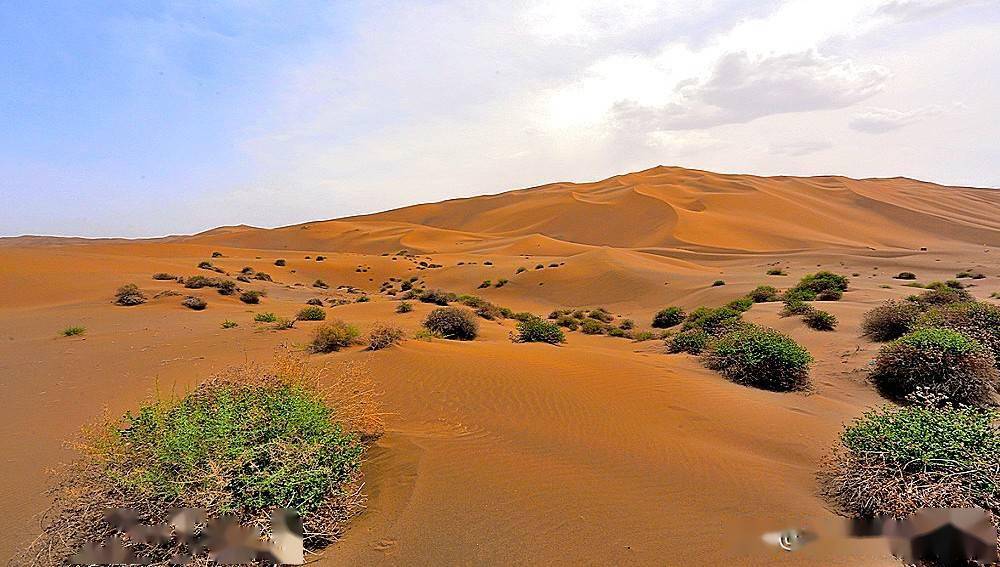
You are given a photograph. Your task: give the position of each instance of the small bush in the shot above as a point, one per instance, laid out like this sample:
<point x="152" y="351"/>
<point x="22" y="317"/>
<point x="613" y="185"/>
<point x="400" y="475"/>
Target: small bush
<point x="522" y="316"/>
<point x="539" y="266"/>
<point x="713" y="321"/>
<point x="164" y="276"/>
<point x="940" y="293"/>
<point x="979" y="321"/>
<point x="502" y="282"/>
<point x="568" y="322"/>
<point x="262" y="277"/>
<point x="601" y="314"/>
<point x="795" y="307"/>
<point x="251" y="297"/>
<point x="73" y="331"/>
<point x="692" y="341"/>
<point x="129" y="294"/>
<point x="226" y="287"/>
<point x="282" y="324"/>
<point x="362" y="299"/>
<point x="718" y="283"/>
<point x="217" y="254"/>
<point x="538" y="330"/>
<point x="643" y="336"/>
<point x="760" y="357"/>
<point x="776" y="272"/>
<point x="798" y="294"/>
<point x="895" y="461"/>
<point x="938" y="363"/>
<point x="321" y="284"/>
<point x="333" y="336"/>
<point x="311" y="313"/>
<point x="829" y="295"/>
<point x="820" y="320"/>
<point x="404" y="307"/>
<point x="227" y="324"/>
<point x="437" y="297"/>
<point x="618" y="332"/>
<point x="485" y="284"/>
<point x="891" y="320"/>
<point x="280" y="262"/>
<point x="383" y="335"/>
<point x="905" y="276"/>
<point x="741" y="304"/>
<point x="521" y="269"/>
<point x="668" y="317"/>
<point x="593" y="327"/>
<point x="823" y="281"/>
<point x="626" y="324"/>
<point x="196" y="303"/>
<point x="453" y="323"/>
<point x="198" y="282"/>
<point x="763" y="294"/>
<point x="314" y="301"/>
<point x="206" y="265"/>
<point x="265" y="317"/>
<point x="320" y="258"/>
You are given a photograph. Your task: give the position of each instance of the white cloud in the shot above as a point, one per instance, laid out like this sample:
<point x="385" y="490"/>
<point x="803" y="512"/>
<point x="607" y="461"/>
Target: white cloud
<point x="879" y="120"/>
<point x="797" y="148"/>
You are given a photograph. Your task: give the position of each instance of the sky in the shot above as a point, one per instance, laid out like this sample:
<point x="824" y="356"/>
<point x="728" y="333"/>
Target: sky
<point x="170" y="117"/>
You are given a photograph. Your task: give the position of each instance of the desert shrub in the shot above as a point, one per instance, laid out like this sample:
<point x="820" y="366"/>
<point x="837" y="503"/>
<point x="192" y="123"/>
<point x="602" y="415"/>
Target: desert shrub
<point x="626" y="324"/>
<point x="539" y="266"/>
<point x="404" y="307"/>
<point x="280" y="262"/>
<point x="618" y="332"/>
<point x="226" y="287"/>
<point x="362" y="299"/>
<point x="265" y="317"/>
<point x="73" y="331"/>
<point x="502" y="282"/>
<point x="227" y="324"/>
<point x="741" y="304"/>
<point x="905" y="276"/>
<point x="485" y="284"/>
<point x="763" y="294"/>
<point x="691" y="341"/>
<point x="713" y="321"/>
<point x="567" y="321"/>
<point x="820" y="320"/>
<point x="489" y="311"/>
<point x="776" y="272"/>
<point x="979" y="321"/>
<point x="436" y="296"/>
<point x="164" y="276"/>
<point x="895" y="461"/>
<point x="383" y="335"/>
<point x="643" y="336"/>
<point x="321" y="284"/>
<point x="522" y="316"/>
<point x="890" y="320"/>
<point x="795" y="307"/>
<point x="668" y="317"/>
<point x="283" y="324"/>
<point x="196" y="303"/>
<point x="829" y="295"/>
<point x="129" y="294"/>
<point x="591" y="326"/>
<point x="217" y="254"/>
<point x="251" y="297"/>
<point x="311" y="313"/>
<point x="760" y="357"/>
<point x="314" y="301"/>
<point x="823" y="281"/>
<point x="206" y="265"/>
<point x="198" y="282"/>
<point x="940" y="364"/>
<point x="798" y="294"/>
<point x="538" y="330"/>
<point x="718" y="283"/>
<point x="601" y="314"/>
<point x="333" y="336"/>
<point x="453" y="323"/>
<point x="940" y="293"/>
<point x="521" y="269"/>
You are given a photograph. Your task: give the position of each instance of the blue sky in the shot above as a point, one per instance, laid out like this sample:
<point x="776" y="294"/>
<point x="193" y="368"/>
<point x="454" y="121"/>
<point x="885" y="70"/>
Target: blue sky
<point x="150" y="118"/>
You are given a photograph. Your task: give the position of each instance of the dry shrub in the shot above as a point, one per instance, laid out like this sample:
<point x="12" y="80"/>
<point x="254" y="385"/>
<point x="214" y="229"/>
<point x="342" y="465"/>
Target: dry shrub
<point x="309" y="426"/>
<point x="195" y="303"/>
<point x="979" y="321"/>
<point x="129" y="294"/>
<point x="820" y="320"/>
<point x="895" y="461"/>
<point x="890" y="320"/>
<point x="334" y="336"/>
<point x="453" y="323"/>
<point x="384" y="335"/>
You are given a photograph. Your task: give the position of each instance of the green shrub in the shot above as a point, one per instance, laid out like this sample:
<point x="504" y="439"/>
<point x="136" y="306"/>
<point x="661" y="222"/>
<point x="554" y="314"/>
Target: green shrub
<point x="73" y="331"/>
<point x="713" y="321"/>
<point x="383" y="335"/>
<point x="668" y="317"/>
<point x="196" y="303"/>
<point x="763" y="294"/>
<point x="692" y="341"/>
<point x="129" y="294"/>
<point x="538" y="330"/>
<point x="453" y="323"/>
<point x="940" y="293"/>
<point x="251" y="297"/>
<point x="905" y="276"/>
<point x="643" y="336"/>
<point x="164" y="276"/>
<point x="404" y="307"/>
<point x="799" y="294"/>
<point x="262" y="276"/>
<point x="265" y="317"/>
<point x="823" y="281"/>
<point x="890" y="320"/>
<point x="436" y="296"/>
<point x="568" y="322"/>
<point x="760" y="357"/>
<point x="227" y="324"/>
<point x="979" y="321"/>
<point x="601" y="314"/>
<point x="198" y="282"/>
<point x="226" y="287"/>
<point x="333" y="336"/>
<point x="820" y="320"/>
<point x="741" y="304"/>
<point x="795" y="307"/>
<point x="718" y="283"/>
<point x="939" y="364"/>
<point x="829" y="295"/>
<point x="619" y="333"/>
<point x="776" y="272"/>
<point x="362" y="299"/>
<point x="626" y="324"/>
<point x="895" y="461"/>
<point x="591" y="326"/>
<point x="311" y="313"/>
<point x="485" y="284"/>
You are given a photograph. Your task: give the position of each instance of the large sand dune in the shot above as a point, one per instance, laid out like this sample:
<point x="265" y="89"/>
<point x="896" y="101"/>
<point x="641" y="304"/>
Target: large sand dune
<point x="598" y="452"/>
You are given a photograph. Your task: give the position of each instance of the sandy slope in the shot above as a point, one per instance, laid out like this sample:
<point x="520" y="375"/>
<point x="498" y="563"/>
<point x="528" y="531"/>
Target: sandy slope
<point x="601" y="451"/>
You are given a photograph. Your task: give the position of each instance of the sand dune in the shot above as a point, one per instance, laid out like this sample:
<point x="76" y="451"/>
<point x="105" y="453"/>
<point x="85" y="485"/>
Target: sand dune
<point x="601" y="451"/>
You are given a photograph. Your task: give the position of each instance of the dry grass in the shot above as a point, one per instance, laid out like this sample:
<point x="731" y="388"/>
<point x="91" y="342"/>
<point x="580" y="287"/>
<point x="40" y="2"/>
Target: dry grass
<point x="383" y="335"/>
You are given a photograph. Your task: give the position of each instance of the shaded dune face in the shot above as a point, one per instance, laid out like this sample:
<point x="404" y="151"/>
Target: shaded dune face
<point x="600" y="451"/>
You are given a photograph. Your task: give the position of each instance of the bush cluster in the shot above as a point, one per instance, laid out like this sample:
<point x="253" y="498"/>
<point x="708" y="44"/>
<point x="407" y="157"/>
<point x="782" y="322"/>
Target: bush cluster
<point x="764" y="294"/>
<point x="453" y="323"/>
<point x="714" y="321"/>
<point x="760" y="357"/>
<point x="538" y="330"/>
<point x="668" y="317"/>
